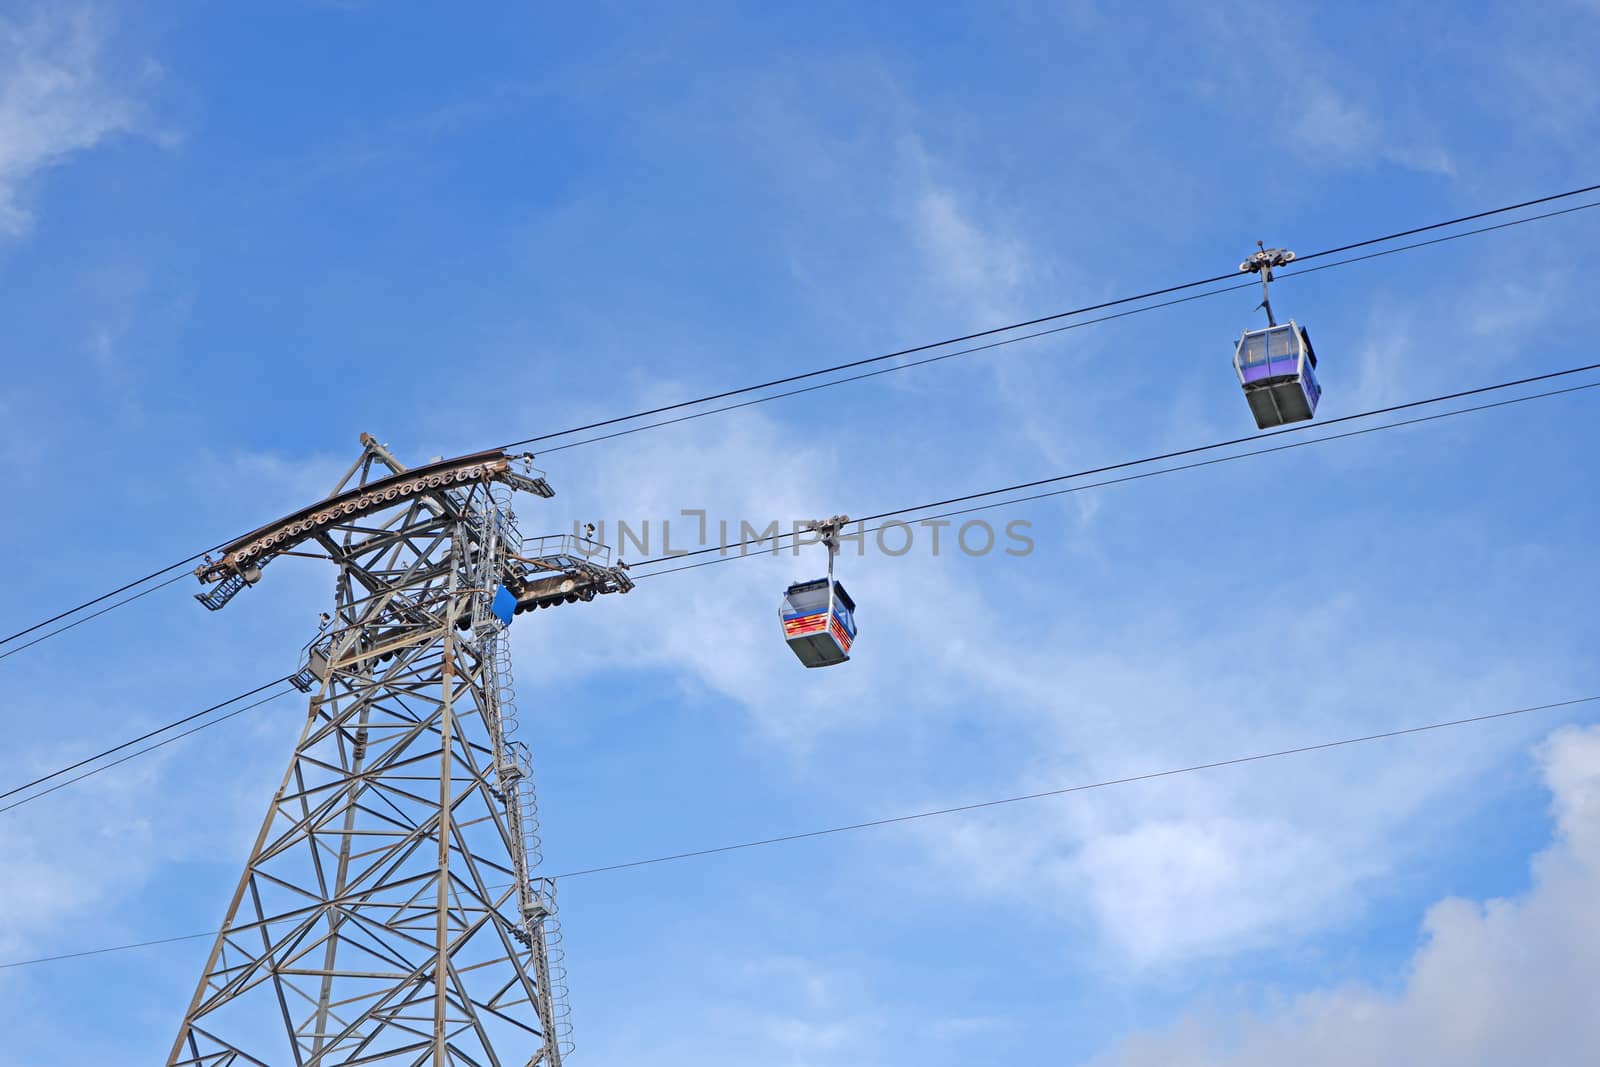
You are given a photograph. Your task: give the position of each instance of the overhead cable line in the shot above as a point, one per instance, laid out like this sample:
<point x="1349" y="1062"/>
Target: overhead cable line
<point x="1161" y="457"/>
<point x="1150" y="294"/>
<point x="95" y="614"/>
<point x="870" y="824"/>
<point x="1036" y="334"/>
<point x="934" y="813"/>
<point x="1302" y="443"/>
<point x="103" y="951"/>
<point x="922" y="362"/>
<point x="42" y="623"/>
<point x="91" y="772"/>
<point x="114" y="749"/>
<point x="1299" y="443"/>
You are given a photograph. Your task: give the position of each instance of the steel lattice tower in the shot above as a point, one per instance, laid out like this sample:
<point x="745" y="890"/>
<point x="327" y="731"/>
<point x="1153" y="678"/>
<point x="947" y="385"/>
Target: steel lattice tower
<point x="389" y="912"/>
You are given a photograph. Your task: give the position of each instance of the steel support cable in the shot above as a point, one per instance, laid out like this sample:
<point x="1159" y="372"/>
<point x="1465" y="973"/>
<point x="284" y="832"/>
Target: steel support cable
<point x="851" y="364"/>
<point x="934" y="813"/>
<point x="1280" y="275"/>
<point x="96" y="614"/>
<point x="935" y="359"/>
<point x="92" y="771"/>
<point x="1301" y="443"/>
<point x="1194" y="450"/>
<point x="42" y="623"/>
<point x="114" y="749"/>
<point x="868" y="824"/>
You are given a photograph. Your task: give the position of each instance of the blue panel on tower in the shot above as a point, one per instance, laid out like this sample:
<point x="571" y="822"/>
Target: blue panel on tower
<point x="505" y="605"/>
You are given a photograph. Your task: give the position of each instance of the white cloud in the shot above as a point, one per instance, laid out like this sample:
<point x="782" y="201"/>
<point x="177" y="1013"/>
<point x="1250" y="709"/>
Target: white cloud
<point x="768" y="1009"/>
<point x="1317" y="106"/>
<point x="973" y="259"/>
<point x="1484" y="326"/>
<point x="76" y="857"/>
<point x="54" y="100"/>
<point x="84" y="848"/>
<point x="744" y="468"/>
<point x="977" y="266"/>
<point x="1325" y="126"/>
<point x="1324" y="123"/>
<point x="1495" y="982"/>
<point x="1154" y="875"/>
<point x="1555" y="93"/>
<point x="1153" y="889"/>
<point x="785" y="1010"/>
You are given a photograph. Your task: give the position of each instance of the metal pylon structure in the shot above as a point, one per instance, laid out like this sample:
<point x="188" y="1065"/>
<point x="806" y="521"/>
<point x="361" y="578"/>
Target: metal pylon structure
<point x="389" y="911"/>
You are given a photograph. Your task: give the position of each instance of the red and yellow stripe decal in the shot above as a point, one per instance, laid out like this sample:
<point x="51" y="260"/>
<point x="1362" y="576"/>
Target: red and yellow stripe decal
<point x="805" y="624"/>
<point x="840" y="634"/>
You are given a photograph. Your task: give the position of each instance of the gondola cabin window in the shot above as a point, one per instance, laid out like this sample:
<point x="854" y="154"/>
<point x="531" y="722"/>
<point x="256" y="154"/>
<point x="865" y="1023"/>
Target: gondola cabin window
<point x="1277" y="368"/>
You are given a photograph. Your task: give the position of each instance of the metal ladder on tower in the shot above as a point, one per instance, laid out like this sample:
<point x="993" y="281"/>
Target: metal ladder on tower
<point x="537" y="896"/>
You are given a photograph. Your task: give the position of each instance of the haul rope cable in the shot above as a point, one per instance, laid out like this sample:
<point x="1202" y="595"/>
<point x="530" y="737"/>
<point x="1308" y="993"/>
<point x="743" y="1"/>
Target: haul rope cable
<point x="925" y="507"/>
<point x="1179" y="453"/>
<point x="869" y="824"/>
<point x="922" y="348"/>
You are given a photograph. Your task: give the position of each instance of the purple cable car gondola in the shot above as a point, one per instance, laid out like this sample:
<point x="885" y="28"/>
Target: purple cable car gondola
<point x="1277" y="366"/>
<point x="1278" y="369"/>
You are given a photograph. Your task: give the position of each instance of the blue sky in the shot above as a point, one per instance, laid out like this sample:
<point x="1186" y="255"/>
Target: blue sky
<point x="232" y="240"/>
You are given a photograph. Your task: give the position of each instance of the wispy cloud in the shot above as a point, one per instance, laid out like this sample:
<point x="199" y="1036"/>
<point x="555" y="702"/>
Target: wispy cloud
<point x="1310" y="102"/>
<point x="55" y="100"/>
<point x="1154" y="877"/>
<point x="1326" y="126"/>
<point x="1151" y="877"/>
<point x="1555" y="90"/>
<point x="1484" y="326"/>
<point x="1162" y="874"/>
<point x="1495" y="982"/>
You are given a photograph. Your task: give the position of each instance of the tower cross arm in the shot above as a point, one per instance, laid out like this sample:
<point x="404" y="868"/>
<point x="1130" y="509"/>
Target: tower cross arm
<point x="240" y="561"/>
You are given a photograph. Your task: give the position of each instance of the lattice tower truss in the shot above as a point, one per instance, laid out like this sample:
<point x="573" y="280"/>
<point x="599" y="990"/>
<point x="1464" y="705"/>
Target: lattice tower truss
<point x="390" y="911"/>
